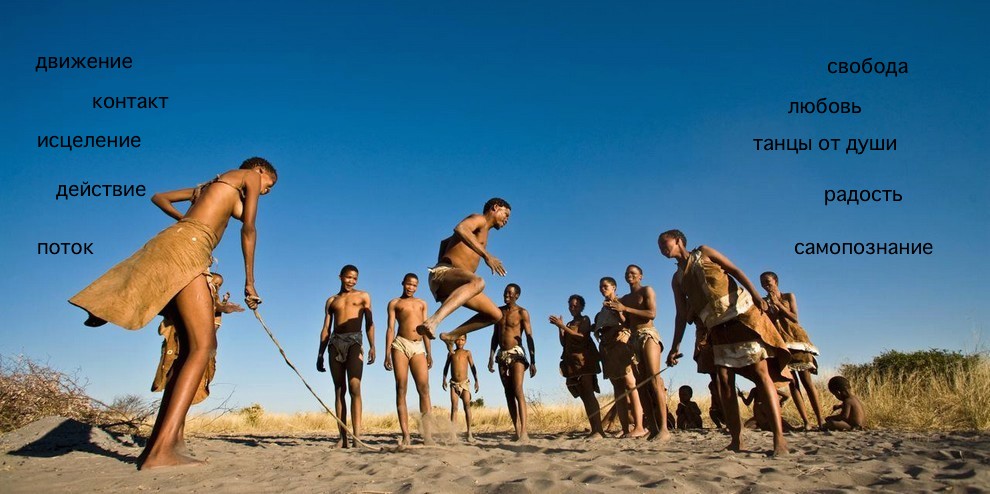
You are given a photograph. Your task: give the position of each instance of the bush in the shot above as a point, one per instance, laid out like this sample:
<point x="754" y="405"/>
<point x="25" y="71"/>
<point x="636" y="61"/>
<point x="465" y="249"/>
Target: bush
<point x="894" y="364"/>
<point x="30" y="391"/>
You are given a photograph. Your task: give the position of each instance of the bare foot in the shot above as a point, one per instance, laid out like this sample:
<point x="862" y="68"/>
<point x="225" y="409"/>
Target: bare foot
<point x="661" y="437"/>
<point x="735" y="445"/>
<point x="426" y="331"/>
<point x="638" y="433"/>
<point x="168" y="460"/>
<point x="470" y="438"/>
<point x="448" y="340"/>
<point x="780" y="449"/>
<point x="93" y="321"/>
<point x="594" y="436"/>
<point x="341" y="444"/>
<point x="428" y="440"/>
<point x="523" y="439"/>
<point x="405" y="441"/>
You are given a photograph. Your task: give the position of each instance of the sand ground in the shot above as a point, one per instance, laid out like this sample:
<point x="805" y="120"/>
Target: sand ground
<point x="61" y="455"/>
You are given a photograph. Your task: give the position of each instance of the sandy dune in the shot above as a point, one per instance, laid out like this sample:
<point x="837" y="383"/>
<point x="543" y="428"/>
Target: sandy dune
<point x="61" y="455"/>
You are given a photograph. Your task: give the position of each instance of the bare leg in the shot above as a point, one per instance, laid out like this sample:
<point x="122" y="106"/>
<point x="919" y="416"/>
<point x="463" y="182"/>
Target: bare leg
<point x="619" y="387"/>
<point x="591" y="406"/>
<point x="769" y="390"/>
<point x="809" y="386"/>
<point x="508" y="388"/>
<point x="466" y="397"/>
<point x="633" y="404"/>
<point x="420" y="373"/>
<point x="355" y="369"/>
<point x="453" y="404"/>
<point x="726" y="382"/>
<point x="651" y="367"/>
<point x="518" y="372"/>
<point x="195" y="307"/>
<point x="339" y="374"/>
<point x="487" y="314"/>
<point x="400" y="365"/>
<point x="795" y="387"/>
<point x="462" y="285"/>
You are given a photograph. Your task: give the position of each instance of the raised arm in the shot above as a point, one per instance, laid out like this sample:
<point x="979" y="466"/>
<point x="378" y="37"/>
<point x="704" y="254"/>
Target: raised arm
<point x="164" y="201"/>
<point x="736" y="273"/>
<point x="465" y="231"/>
<point x="680" y="321"/>
<point x="528" y="329"/>
<point x="324" y="335"/>
<point x="369" y="324"/>
<point x="390" y="333"/>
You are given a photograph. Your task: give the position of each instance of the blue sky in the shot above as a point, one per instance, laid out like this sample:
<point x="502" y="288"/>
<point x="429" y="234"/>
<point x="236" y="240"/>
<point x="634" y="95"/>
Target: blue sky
<point x="602" y="125"/>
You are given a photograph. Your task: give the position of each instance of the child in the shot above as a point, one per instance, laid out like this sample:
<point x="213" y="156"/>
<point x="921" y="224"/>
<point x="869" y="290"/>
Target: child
<point x="460" y="386"/>
<point x="512" y="362"/>
<point x="688" y="412"/>
<point x="851" y="415"/>
<point x="579" y="361"/>
<point x="762" y="418"/>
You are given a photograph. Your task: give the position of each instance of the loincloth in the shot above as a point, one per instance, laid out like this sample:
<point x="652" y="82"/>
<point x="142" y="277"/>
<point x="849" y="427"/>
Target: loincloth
<point x="408" y="347"/>
<point x="437" y="274"/>
<point x="170" y="353"/>
<point x="506" y="358"/>
<point x="618" y="358"/>
<point x="639" y="338"/>
<point x="459" y="387"/>
<point x="574" y="384"/>
<point x="341" y="343"/>
<point x="803" y="361"/>
<point x="131" y="293"/>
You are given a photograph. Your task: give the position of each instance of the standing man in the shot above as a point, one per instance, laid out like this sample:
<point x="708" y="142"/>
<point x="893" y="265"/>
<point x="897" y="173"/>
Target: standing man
<point x="512" y="363"/>
<point x="408" y="350"/>
<point x="640" y="308"/>
<point x="344" y="311"/>
<point x="453" y="281"/>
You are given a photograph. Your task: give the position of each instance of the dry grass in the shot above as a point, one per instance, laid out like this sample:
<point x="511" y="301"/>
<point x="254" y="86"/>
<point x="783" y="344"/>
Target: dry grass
<point x="917" y="400"/>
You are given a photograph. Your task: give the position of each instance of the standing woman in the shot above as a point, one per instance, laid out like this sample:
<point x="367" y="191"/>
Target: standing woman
<point x="579" y="361"/>
<point x="783" y="311"/>
<point x="167" y="275"/>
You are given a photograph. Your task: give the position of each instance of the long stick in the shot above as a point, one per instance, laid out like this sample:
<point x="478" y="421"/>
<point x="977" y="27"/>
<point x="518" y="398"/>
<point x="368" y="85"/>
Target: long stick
<point x="623" y="395"/>
<point x="310" y="388"/>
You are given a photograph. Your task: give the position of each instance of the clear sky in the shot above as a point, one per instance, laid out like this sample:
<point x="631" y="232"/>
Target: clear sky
<point x="602" y="124"/>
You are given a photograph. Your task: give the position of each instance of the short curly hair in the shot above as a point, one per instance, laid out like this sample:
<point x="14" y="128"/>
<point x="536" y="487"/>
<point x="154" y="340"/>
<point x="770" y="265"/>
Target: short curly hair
<point x="256" y="162"/>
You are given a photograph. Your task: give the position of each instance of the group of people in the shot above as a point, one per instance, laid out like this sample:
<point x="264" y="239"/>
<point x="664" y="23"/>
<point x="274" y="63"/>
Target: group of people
<point x="738" y="332"/>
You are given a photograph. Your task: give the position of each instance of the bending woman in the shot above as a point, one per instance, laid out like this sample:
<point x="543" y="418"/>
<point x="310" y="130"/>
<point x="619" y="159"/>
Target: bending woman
<point x="166" y="274"/>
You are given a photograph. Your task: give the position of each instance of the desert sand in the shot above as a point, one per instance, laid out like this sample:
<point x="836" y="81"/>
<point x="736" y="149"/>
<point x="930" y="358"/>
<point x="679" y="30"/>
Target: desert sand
<point x="62" y="455"/>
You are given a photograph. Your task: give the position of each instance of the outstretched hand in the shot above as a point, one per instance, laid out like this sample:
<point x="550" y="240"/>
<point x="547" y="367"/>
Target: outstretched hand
<point x="495" y="265"/>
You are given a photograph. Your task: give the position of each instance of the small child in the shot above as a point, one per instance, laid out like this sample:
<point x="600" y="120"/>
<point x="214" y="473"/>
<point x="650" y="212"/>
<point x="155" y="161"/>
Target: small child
<point x="762" y="418"/>
<point x="851" y="415"/>
<point x="688" y="412"/>
<point x="460" y="386"/>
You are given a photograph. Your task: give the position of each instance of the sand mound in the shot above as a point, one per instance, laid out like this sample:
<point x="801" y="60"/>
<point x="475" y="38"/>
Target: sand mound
<point x="55" y="436"/>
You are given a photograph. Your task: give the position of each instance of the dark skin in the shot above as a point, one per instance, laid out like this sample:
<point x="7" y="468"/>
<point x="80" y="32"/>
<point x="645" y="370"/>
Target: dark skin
<point x="630" y="405"/>
<point x="194" y="307"/>
<point x="640" y="308"/>
<point x="508" y="334"/>
<point x="458" y="363"/>
<point x="409" y="312"/>
<point x="784" y="305"/>
<point x="461" y="287"/>
<point x="580" y="327"/>
<point x="344" y="312"/>
<point x="673" y="248"/>
<point x="851" y="414"/>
